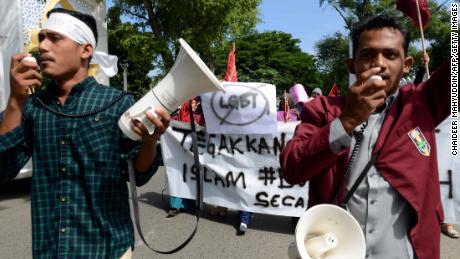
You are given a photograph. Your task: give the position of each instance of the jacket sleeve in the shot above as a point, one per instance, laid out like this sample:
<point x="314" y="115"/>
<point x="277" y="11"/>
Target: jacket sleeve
<point x="14" y="150"/>
<point x="436" y="93"/>
<point x="309" y="152"/>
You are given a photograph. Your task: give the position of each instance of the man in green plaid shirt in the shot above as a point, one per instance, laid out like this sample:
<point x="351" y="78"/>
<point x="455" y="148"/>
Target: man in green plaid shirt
<point x="79" y="194"/>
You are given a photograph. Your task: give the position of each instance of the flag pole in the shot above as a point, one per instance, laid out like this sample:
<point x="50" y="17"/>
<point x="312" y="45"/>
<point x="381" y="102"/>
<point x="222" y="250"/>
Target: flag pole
<point x="286" y="104"/>
<point x="423" y="37"/>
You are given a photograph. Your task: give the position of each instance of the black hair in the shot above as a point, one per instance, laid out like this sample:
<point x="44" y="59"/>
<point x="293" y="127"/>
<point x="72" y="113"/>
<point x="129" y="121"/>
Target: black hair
<point x="379" y="21"/>
<point x="86" y="18"/>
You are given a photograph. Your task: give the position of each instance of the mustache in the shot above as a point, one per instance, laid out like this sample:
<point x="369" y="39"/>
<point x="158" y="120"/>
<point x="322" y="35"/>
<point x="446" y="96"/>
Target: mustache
<point x="45" y="58"/>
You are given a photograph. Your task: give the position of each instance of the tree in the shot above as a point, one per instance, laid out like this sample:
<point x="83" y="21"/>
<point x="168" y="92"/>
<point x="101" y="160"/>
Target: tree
<point x="437" y="33"/>
<point x="331" y="54"/>
<point x="131" y="46"/>
<point x="353" y="11"/>
<point x="202" y="23"/>
<point x="269" y="57"/>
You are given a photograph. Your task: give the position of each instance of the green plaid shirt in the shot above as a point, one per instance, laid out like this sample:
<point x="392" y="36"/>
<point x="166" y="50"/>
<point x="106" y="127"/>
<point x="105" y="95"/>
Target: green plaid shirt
<point x="79" y="194"/>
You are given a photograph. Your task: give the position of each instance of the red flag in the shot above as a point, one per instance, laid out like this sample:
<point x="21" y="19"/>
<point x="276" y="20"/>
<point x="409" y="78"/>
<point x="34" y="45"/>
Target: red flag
<point x="334" y="91"/>
<point x="230" y="74"/>
<point x="286" y="108"/>
<point x="409" y="8"/>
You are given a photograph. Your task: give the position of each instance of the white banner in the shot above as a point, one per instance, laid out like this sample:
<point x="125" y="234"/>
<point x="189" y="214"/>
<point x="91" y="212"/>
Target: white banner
<point x="449" y="174"/>
<point x="244" y="108"/>
<point x="241" y="172"/>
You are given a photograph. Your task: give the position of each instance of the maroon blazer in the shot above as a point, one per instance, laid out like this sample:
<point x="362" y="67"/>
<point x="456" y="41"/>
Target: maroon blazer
<point x="412" y="174"/>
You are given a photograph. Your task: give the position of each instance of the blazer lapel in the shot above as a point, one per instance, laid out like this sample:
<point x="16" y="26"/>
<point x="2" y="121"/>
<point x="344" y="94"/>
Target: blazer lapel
<point x="388" y="123"/>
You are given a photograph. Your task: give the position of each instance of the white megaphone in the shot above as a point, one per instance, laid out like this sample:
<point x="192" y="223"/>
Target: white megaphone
<point x="188" y="77"/>
<point x="328" y="232"/>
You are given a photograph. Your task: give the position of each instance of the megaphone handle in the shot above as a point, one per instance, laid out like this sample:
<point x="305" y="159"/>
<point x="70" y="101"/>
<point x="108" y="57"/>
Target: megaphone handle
<point x="142" y="118"/>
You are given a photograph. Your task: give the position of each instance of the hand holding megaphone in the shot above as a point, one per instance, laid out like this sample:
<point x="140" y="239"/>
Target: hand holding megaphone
<point x="24" y="77"/>
<point x="188" y="77"/>
<point x="160" y="121"/>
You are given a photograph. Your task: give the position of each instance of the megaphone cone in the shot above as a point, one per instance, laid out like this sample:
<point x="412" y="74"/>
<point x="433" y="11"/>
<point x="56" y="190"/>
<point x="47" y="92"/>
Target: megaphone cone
<point x="329" y="232"/>
<point x="188" y="77"/>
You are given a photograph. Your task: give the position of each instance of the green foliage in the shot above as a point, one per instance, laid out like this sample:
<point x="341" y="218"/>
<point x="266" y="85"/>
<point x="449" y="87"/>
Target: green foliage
<point x="133" y="47"/>
<point x="437" y="33"/>
<point x="149" y="41"/>
<point x="353" y="11"/>
<point x="202" y="23"/>
<point x="269" y="57"/>
<point x="332" y="53"/>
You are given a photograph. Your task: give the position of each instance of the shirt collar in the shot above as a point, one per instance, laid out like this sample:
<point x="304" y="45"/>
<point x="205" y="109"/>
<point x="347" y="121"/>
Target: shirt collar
<point x="77" y="88"/>
<point x="389" y="101"/>
<point x="83" y="85"/>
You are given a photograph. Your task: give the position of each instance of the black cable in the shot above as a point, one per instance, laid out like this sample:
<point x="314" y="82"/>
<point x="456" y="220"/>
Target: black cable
<point x="199" y="194"/>
<point x="82" y="115"/>
<point x="359" y="137"/>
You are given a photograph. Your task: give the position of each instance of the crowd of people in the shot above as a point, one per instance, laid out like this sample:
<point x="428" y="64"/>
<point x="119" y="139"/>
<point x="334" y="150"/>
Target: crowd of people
<point x="79" y="194"/>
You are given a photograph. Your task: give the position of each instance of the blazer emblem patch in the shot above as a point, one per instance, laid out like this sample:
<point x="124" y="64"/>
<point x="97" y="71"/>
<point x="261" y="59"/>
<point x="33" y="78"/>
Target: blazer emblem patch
<point x="419" y="141"/>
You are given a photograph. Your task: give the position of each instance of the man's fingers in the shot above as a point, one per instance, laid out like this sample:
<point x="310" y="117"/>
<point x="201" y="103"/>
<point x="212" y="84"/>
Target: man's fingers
<point x="32" y="83"/>
<point x="18" y="58"/>
<point x="31" y="74"/>
<point x="381" y="94"/>
<point x="163" y="114"/>
<point x="160" y="120"/>
<point x="139" y="128"/>
<point x="30" y="65"/>
<point x="373" y="86"/>
<point x="156" y="121"/>
<point x="376" y="103"/>
<point x="20" y="65"/>
<point x="165" y="117"/>
<point x="26" y="66"/>
<point x="28" y="79"/>
<point x="362" y="78"/>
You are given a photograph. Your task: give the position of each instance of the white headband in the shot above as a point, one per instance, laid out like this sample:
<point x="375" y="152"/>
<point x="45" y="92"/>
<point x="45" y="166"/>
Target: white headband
<point x="79" y="32"/>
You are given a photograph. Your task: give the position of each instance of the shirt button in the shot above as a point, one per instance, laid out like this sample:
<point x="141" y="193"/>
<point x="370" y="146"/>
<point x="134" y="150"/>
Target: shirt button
<point x="62" y="142"/>
<point x="63" y="198"/>
<point x="63" y="169"/>
<point x="62" y="230"/>
<point x="96" y="119"/>
<point x="371" y="231"/>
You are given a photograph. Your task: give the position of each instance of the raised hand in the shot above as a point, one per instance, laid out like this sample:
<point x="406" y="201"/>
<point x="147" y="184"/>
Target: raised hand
<point x="160" y="121"/>
<point x="24" y="75"/>
<point x="362" y="99"/>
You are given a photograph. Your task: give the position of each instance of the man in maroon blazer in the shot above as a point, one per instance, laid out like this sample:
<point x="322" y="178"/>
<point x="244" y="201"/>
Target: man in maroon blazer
<point x="397" y="203"/>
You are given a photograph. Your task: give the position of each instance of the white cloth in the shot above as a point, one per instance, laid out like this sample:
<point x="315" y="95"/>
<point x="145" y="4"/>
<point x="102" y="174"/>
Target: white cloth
<point x="79" y="32"/>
